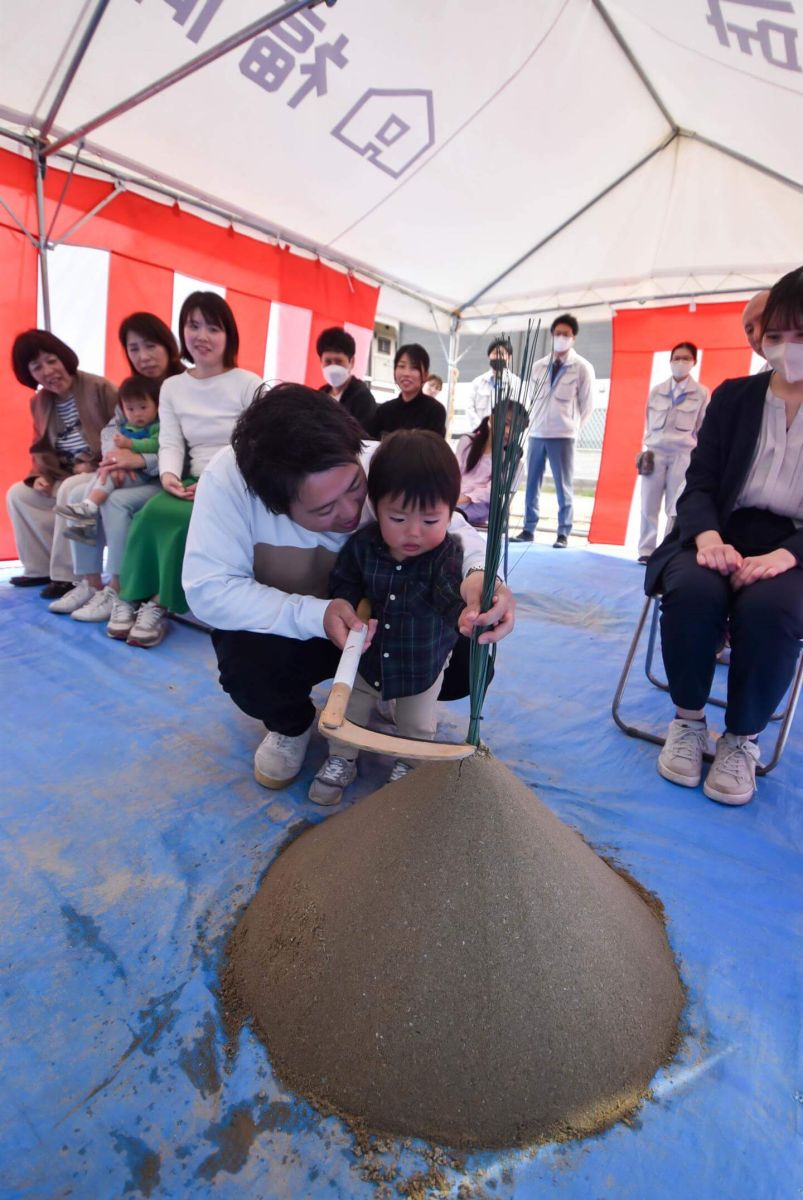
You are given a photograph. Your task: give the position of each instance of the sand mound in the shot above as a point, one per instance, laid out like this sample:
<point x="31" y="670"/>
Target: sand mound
<point x="447" y="959"/>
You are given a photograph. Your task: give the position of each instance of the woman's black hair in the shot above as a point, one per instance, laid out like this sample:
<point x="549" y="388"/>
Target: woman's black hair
<point x="216" y="311"/>
<point x="147" y="325"/>
<point x="29" y="345"/>
<point x="479" y="437"/>
<point x="336" y="341"/>
<point x="690" y="346"/>
<point x="417" y="465"/>
<point x="288" y="432"/>
<point x="138" y="387"/>
<point x="417" y="356"/>
<point x="785" y="303"/>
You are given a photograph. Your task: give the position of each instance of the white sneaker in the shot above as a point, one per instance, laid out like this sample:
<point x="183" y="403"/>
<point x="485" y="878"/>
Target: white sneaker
<point x="279" y="757"/>
<point x="681" y="759"/>
<point x="77" y="597"/>
<point x="400" y="769"/>
<point x="149" y="627"/>
<point x="732" y="778"/>
<point x="332" y="780"/>
<point x="121" y="618"/>
<point x="82" y="512"/>
<point x="99" y="608"/>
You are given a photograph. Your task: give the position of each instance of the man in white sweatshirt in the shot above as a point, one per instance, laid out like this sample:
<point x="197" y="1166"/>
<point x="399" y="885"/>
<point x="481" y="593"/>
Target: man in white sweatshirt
<point x="271" y="513"/>
<point x="562" y="406"/>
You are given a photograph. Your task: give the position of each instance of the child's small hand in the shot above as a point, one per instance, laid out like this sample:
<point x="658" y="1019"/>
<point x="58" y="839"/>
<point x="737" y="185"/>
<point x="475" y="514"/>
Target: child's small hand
<point x="373" y="625"/>
<point x="122" y="442"/>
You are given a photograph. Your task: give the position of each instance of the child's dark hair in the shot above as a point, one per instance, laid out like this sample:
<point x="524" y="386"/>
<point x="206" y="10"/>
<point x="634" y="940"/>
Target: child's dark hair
<point x="139" y="387"/>
<point x="416" y="465"/>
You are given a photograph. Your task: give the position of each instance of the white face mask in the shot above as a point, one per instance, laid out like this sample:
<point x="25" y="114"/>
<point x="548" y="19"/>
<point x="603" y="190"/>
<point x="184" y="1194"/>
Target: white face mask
<point x="561" y="342"/>
<point x="786" y="358"/>
<point x="680" y="369"/>
<point x="335" y="375"/>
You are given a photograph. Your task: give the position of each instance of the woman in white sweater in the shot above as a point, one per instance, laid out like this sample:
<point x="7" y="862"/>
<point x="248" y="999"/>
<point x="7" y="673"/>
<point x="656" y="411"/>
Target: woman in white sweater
<point x="197" y="412"/>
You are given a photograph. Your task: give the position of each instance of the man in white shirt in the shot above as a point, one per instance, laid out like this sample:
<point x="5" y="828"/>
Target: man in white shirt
<point x="483" y="388"/>
<point x="271" y="513"/>
<point x="562" y="406"/>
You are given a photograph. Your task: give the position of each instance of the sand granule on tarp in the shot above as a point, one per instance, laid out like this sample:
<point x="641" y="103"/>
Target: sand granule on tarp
<point x="447" y="959"/>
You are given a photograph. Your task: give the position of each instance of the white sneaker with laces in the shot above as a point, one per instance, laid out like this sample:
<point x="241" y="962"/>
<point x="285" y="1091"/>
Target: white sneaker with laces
<point x="80" y="594"/>
<point x="400" y="769"/>
<point x="121" y="619"/>
<point x="99" y="608"/>
<point x="732" y="778"/>
<point x="332" y="780"/>
<point x="681" y="759"/>
<point x="279" y="757"/>
<point x="149" y="627"/>
<point x="81" y="512"/>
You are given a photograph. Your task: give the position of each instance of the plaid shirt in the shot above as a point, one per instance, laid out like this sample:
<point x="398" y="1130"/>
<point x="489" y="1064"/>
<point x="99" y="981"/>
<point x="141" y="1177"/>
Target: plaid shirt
<point x="416" y="602"/>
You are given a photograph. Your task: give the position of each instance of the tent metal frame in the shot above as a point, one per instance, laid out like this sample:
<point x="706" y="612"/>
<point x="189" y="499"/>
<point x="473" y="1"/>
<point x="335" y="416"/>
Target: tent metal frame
<point x="42" y="149"/>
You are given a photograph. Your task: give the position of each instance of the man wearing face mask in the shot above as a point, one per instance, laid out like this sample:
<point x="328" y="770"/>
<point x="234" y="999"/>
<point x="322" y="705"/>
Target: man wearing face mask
<point x="336" y="350"/>
<point x="675" y="411"/>
<point x="562" y="407"/>
<point x="483" y="389"/>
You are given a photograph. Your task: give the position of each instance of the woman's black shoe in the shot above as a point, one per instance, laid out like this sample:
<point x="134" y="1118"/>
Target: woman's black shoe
<point x="29" y="580"/>
<point x="55" y="589"/>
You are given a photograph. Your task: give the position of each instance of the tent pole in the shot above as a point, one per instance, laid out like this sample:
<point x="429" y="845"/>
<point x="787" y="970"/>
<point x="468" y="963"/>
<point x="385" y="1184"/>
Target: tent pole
<point x="71" y="71"/>
<point x="569" y="221"/>
<point x="17" y="221"/>
<point x="189" y="68"/>
<point x="40" y="167"/>
<point x="118" y="188"/>
<point x="453" y="360"/>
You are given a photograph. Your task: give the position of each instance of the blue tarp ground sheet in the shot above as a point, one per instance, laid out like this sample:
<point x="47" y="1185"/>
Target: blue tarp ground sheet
<point x="133" y="833"/>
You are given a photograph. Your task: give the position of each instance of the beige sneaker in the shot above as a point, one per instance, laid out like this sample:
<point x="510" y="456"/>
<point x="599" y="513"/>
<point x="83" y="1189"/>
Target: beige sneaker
<point x="149" y="627"/>
<point x="121" y="619"/>
<point x="681" y="758"/>
<point x="279" y="757"/>
<point x="81" y="593"/>
<point x="732" y="778"/>
<point x="98" y="608"/>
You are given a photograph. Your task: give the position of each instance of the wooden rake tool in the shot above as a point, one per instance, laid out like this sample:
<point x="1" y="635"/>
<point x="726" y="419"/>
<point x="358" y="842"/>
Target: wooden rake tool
<point x="333" y="722"/>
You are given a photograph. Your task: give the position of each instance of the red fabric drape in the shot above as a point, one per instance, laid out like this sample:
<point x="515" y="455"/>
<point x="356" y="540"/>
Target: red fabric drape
<point x="147" y="242"/>
<point x="637" y="335"/>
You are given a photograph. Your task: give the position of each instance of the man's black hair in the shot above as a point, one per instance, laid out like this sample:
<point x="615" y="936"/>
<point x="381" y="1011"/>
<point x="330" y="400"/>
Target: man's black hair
<point x="418" y="466"/>
<point x="288" y="432"/>
<point x="565" y="319"/>
<point x="336" y="341"/>
<point x="503" y="343"/>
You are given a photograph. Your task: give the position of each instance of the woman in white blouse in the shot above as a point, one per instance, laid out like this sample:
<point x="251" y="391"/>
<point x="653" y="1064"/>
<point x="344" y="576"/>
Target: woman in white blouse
<point x="734" y="555"/>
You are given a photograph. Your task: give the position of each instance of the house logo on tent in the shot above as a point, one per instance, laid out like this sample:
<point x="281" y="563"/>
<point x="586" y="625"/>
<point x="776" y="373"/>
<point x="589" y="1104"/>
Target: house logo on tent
<point x="390" y="128"/>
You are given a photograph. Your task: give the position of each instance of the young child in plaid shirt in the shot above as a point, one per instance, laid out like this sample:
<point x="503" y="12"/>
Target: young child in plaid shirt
<point x="410" y="569"/>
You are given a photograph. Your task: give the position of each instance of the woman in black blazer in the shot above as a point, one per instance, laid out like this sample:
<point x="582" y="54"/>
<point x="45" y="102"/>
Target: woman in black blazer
<point x="734" y="556"/>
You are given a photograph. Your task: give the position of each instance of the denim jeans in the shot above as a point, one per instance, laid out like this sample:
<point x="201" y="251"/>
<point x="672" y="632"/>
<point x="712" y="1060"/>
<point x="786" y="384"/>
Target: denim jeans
<point x="560" y="453"/>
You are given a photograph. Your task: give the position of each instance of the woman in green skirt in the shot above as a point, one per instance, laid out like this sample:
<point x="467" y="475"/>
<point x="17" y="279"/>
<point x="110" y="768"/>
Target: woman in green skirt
<point x="197" y="412"/>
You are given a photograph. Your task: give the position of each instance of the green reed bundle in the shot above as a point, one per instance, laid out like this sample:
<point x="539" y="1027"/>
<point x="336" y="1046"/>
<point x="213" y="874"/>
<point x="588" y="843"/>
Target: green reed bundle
<point x="510" y="415"/>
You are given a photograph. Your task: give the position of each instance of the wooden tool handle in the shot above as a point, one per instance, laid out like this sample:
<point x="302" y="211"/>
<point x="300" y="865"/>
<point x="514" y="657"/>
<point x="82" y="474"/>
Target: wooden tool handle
<point x="334" y="712"/>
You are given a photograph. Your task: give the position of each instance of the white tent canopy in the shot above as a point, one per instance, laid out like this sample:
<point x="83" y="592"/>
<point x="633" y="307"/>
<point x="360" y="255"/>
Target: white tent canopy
<point x="491" y="160"/>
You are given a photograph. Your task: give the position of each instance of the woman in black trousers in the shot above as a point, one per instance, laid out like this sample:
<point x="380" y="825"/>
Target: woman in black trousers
<point x="734" y="555"/>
